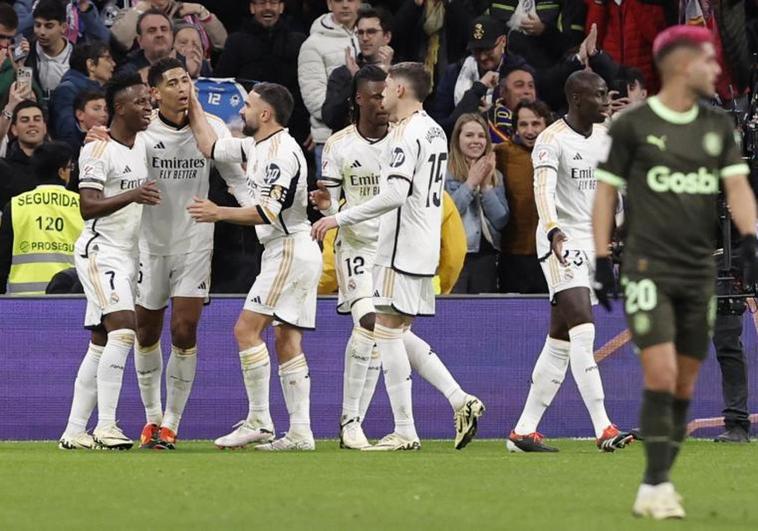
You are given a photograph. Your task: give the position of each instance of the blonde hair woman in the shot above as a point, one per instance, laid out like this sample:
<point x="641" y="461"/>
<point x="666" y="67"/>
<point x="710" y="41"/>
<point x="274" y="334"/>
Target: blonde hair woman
<point x="479" y="194"/>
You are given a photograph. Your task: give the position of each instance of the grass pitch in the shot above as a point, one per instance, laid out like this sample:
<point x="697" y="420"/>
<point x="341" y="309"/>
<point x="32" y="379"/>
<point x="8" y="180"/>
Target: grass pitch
<point x="481" y="487"/>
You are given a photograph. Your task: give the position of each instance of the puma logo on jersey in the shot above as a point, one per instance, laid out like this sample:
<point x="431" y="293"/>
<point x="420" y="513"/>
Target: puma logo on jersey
<point x="159" y="145"/>
<point x="659" y="142"/>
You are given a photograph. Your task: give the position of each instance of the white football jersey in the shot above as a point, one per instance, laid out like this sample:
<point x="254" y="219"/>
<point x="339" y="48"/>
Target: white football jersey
<point x="113" y="168"/>
<point x="182" y="172"/>
<point x="278" y="178"/>
<point x="409" y="237"/>
<point x="574" y="157"/>
<point x="353" y="163"/>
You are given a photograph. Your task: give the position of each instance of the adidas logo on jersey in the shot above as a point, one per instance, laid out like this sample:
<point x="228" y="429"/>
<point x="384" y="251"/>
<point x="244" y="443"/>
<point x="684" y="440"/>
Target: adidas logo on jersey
<point x="355" y="164"/>
<point x="376" y="293"/>
<point x="159" y="145"/>
<point x="127" y="170"/>
<point x="256" y="300"/>
<point x="577" y="157"/>
<point x="203" y="285"/>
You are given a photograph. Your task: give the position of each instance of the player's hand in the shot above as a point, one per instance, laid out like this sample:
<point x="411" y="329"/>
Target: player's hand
<point x="532" y="25"/>
<point x="750" y="260"/>
<point x="97" y="132"/>
<point x="604" y="283"/>
<point x="322" y="226"/>
<point x="203" y="210"/>
<point x="148" y="194"/>
<point x="320" y="198"/>
<point x="557" y="237"/>
<point x="490" y="79"/>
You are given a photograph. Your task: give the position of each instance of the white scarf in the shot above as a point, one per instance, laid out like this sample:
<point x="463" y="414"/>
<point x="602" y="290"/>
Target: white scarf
<point x="522" y="12"/>
<point x="468" y="75"/>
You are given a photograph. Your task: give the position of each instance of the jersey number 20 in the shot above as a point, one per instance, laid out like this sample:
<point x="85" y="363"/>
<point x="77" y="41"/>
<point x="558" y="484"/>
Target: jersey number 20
<point x="434" y="197"/>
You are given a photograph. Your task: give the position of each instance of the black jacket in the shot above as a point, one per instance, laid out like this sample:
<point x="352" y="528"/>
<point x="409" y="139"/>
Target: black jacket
<point x="336" y="108"/>
<point x="267" y="54"/>
<point x="16" y="175"/>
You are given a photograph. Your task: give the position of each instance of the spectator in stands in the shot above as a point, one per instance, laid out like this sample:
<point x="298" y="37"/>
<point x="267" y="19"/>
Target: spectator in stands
<point x="50" y="53"/>
<point x="188" y="44"/>
<point x="89" y="110"/>
<point x="479" y="194"/>
<point x="156" y="41"/>
<point x="543" y="32"/>
<point x="516" y="86"/>
<point x="29" y="129"/>
<point x="91" y="68"/>
<point x="374" y="31"/>
<point x="39" y="227"/>
<point x="329" y="45"/>
<point x="126" y="26"/>
<point x="84" y="20"/>
<point x="15" y="96"/>
<point x="519" y="267"/>
<point x="8" y="63"/>
<point x="626" y="90"/>
<point x="266" y="49"/>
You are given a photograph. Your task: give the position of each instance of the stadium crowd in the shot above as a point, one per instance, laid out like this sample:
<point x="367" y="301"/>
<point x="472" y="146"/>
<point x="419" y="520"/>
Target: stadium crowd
<point x="498" y="74"/>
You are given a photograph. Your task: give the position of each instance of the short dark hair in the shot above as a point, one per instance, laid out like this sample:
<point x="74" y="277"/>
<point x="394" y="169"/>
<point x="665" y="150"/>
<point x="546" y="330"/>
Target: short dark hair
<point x="416" y="75"/>
<point x="540" y="108"/>
<point x="50" y="10"/>
<point x="385" y="19"/>
<point x="8" y="16"/>
<point x="365" y="75"/>
<point x="83" y="98"/>
<point x="156" y="71"/>
<point x="279" y="98"/>
<point x="27" y="104"/>
<point x="86" y="50"/>
<point x="48" y="158"/>
<point x="152" y="11"/>
<point x="634" y="75"/>
<point x="117" y="84"/>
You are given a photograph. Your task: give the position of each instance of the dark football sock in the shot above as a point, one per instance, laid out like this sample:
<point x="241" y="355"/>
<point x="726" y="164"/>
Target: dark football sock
<point x="679" y="410"/>
<point x="656" y="425"/>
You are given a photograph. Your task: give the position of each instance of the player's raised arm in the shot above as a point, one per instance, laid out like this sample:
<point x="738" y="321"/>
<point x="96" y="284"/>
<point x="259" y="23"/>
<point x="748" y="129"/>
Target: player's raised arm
<point x="202" y="130"/>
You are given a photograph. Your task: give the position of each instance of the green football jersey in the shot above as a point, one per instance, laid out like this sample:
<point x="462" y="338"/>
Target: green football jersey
<point x="671" y="164"/>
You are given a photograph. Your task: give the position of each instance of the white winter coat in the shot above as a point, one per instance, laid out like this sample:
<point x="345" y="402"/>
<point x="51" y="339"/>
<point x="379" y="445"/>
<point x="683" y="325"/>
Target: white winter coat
<point x="322" y="52"/>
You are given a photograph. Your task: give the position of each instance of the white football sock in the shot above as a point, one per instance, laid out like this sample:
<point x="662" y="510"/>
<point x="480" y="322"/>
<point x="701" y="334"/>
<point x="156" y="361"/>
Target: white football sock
<point x="547" y="377"/>
<point x="296" y="386"/>
<point x="369" y="385"/>
<point x="256" y="372"/>
<point x="428" y="365"/>
<point x="85" y="392"/>
<point x="357" y="359"/>
<point x="180" y="374"/>
<point x="397" y="378"/>
<point x="148" y="362"/>
<point x="110" y="374"/>
<point x="587" y="376"/>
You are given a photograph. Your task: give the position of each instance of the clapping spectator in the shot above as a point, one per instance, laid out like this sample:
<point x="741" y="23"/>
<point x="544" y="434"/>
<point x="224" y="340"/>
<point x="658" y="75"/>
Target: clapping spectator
<point x="331" y="38"/>
<point x="29" y="130"/>
<point x="479" y="194"/>
<point x="125" y="27"/>
<point x="374" y="31"/>
<point x="266" y="49"/>
<point x="188" y="44"/>
<point x="91" y="68"/>
<point x="519" y="267"/>
<point x="51" y="51"/>
<point x="516" y="86"/>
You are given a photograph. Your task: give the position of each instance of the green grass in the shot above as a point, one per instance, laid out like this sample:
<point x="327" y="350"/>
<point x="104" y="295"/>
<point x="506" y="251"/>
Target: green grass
<point x="482" y="487"/>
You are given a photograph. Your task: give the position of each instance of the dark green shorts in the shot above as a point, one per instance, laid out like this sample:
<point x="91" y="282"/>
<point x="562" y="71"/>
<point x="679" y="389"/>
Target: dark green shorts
<point x="664" y="309"/>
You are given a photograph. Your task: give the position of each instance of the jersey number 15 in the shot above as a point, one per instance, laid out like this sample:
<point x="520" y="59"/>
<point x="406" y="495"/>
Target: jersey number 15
<point x="437" y="161"/>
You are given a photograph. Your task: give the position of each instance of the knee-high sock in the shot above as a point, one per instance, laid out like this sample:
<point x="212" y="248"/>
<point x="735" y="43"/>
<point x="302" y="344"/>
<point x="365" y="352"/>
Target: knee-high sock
<point x="657" y="427"/>
<point x="110" y="374"/>
<point x="547" y="377"/>
<point x="357" y="359"/>
<point x="296" y="386"/>
<point x="587" y="376"/>
<point x="180" y="374"/>
<point x="428" y="365"/>
<point x="256" y="372"/>
<point x="679" y="408"/>
<point x="397" y="378"/>
<point x="85" y="392"/>
<point x="369" y="385"/>
<point x="148" y="362"/>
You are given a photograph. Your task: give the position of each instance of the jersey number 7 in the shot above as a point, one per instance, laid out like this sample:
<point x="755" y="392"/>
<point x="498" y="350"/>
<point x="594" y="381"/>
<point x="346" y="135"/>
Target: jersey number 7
<point x="437" y="161"/>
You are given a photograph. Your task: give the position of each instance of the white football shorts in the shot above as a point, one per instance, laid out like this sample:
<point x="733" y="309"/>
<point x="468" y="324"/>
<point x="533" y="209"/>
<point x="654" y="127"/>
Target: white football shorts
<point x="354" y="269"/>
<point x="163" y="277"/>
<point x="287" y="285"/>
<point x="577" y="273"/>
<point x="401" y="294"/>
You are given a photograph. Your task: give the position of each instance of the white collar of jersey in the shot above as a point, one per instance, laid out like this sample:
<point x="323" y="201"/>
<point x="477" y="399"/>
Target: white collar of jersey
<point x="670" y="115"/>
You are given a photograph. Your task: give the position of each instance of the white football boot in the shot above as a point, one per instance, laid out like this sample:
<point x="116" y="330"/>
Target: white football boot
<point x="394" y="443"/>
<point x="80" y="441"/>
<point x="466" y="419"/>
<point x="111" y="438"/>
<point x="244" y="434"/>
<point x="352" y="436"/>
<point x="659" y="502"/>
<point x="286" y="444"/>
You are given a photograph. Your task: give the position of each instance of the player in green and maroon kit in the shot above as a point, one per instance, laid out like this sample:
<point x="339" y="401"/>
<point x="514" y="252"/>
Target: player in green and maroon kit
<point x="671" y="154"/>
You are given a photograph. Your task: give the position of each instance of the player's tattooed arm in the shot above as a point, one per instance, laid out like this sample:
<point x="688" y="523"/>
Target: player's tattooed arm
<point x="206" y="211"/>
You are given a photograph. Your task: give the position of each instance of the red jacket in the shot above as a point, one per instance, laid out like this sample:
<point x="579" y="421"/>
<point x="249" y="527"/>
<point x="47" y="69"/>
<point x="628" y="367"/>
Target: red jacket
<point x="626" y="32"/>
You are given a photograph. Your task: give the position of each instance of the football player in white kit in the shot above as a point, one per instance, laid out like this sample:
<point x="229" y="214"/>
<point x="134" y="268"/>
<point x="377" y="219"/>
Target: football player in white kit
<point x="564" y="157"/>
<point x="408" y="246"/>
<point x="352" y="164"/>
<point x="175" y="252"/>
<point x="113" y="187"/>
<point x="284" y="293"/>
